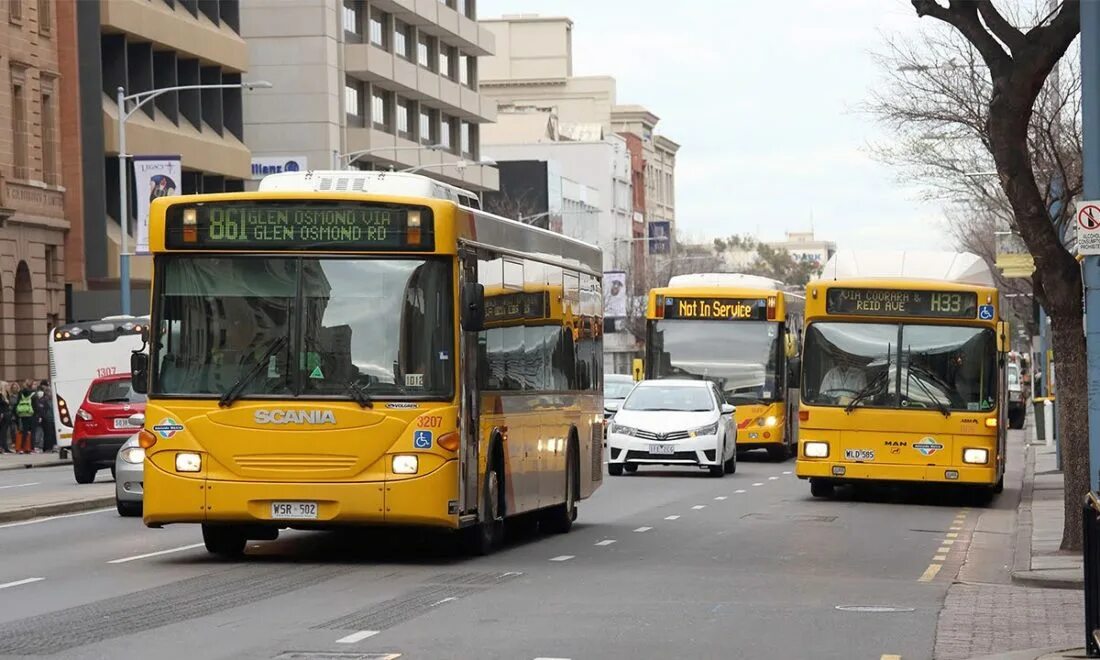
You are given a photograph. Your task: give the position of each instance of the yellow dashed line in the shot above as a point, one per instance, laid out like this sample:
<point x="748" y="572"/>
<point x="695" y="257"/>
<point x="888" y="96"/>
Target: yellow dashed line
<point x="952" y="535"/>
<point x="948" y="541"/>
<point x="940" y="558"/>
<point x="956" y="528"/>
<point x="930" y="572"/>
<point x="887" y="656"/>
<point x="944" y="550"/>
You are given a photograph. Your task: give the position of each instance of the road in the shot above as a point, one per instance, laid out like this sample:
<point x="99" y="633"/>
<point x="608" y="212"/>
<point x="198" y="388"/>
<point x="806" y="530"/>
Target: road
<point x="662" y="564"/>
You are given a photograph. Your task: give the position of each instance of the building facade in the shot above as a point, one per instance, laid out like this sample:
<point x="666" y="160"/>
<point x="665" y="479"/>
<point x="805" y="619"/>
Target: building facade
<point x="143" y="45"/>
<point x="33" y="213"/>
<point x="369" y="84"/>
<point x="805" y="247"/>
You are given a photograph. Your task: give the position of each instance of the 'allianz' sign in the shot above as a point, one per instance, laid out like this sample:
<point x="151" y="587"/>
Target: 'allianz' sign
<point x="264" y="165"/>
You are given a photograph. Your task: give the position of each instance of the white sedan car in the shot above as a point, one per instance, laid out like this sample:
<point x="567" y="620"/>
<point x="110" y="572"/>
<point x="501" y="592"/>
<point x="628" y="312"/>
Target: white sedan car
<point x="673" y="422"/>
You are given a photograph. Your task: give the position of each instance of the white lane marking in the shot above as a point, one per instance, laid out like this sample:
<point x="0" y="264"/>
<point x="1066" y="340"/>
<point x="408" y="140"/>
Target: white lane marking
<point x="699" y="506"/>
<point x="18" y="583"/>
<point x="758" y="483"/>
<point x="511" y="574"/>
<point x="672" y="517"/>
<point x="156" y="554"/>
<point x="739" y="490"/>
<point x="643" y="529"/>
<point x="33" y="483"/>
<point x="606" y="542"/>
<point x="562" y="558"/>
<point x="786" y="471"/>
<point x="721" y="497"/>
<point x="445" y="600"/>
<point x="35" y="521"/>
<point x="357" y="637"/>
<point x="773" y="478"/>
<point x="542" y="658"/>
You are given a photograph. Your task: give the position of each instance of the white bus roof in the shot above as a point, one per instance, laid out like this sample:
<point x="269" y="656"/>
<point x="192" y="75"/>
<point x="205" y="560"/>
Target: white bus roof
<point x="725" y="279"/>
<point x="959" y="267"/>
<point x="404" y="184"/>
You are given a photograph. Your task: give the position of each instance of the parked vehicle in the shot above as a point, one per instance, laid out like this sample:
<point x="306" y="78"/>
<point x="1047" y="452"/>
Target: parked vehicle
<point x="103" y="423"/>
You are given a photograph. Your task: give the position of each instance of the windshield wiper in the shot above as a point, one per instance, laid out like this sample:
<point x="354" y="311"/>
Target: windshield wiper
<point x="359" y="394"/>
<point x="944" y="409"/>
<point x="866" y="391"/>
<point x="234" y="392"/>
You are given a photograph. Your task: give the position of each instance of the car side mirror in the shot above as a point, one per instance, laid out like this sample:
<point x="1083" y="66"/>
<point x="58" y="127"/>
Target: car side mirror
<point x="794" y="373"/>
<point x="728" y="409"/>
<point x="473" y="307"/>
<point x="611" y="406"/>
<point x="139" y="372"/>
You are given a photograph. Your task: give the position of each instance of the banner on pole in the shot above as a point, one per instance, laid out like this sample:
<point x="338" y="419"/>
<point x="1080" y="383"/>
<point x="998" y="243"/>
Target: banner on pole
<point x="614" y="294"/>
<point x="154" y="176"/>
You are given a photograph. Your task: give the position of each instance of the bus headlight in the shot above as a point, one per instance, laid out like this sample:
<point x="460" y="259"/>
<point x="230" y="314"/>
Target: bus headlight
<point x="814" y="449"/>
<point x="976" y="456"/>
<point x="405" y="464"/>
<point x="770" y="421"/>
<point x="188" y="462"/>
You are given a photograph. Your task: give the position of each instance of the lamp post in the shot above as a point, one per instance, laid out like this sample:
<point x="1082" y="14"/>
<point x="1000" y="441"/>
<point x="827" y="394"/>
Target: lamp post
<point x="353" y="156"/>
<point x="139" y="99"/>
<point x="458" y="163"/>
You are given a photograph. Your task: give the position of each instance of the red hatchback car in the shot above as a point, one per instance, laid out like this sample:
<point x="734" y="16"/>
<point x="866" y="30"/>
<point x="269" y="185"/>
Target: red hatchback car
<point x="102" y="424"/>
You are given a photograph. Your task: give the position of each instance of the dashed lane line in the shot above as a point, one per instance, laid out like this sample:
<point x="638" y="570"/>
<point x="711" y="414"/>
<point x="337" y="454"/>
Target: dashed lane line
<point x="889" y="656"/>
<point x="643" y="529"/>
<point x="562" y="558"/>
<point x="19" y="583"/>
<point x="758" y="483"/>
<point x="357" y="637"/>
<point x="773" y="478"/>
<point x="940" y="558"/>
<point x="35" y="521"/>
<point x="698" y="506"/>
<point x="739" y="491"/>
<point x="156" y="554"/>
<point x="669" y="518"/>
<point x="605" y="542"/>
<point x="721" y="497"/>
<point x="930" y="573"/>
<point x="943" y="550"/>
<point x="952" y="535"/>
<point x="33" y="483"/>
<point x="786" y="471"/>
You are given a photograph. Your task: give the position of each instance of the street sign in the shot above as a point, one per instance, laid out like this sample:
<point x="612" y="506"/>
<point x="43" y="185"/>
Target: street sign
<point x="1088" y="227"/>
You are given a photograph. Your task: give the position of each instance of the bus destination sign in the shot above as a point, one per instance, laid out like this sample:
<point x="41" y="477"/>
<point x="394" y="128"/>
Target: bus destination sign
<point x="516" y="306"/>
<point x="716" y="309"/>
<point x="902" y="302"/>
<point x="296" y="225"/>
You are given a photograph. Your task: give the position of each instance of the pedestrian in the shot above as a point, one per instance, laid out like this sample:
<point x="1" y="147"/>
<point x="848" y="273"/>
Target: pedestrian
<point x="5" y="418"/>
<point x="24" y="413"/>
<point x="11" y="395"/>
<point x="45" y="417"/>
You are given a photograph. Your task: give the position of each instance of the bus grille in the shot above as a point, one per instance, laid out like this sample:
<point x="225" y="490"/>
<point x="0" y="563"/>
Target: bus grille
<point x="295" y="463"/>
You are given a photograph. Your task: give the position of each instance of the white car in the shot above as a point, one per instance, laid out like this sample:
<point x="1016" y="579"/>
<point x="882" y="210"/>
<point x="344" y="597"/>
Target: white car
<point x="673" y="422"/>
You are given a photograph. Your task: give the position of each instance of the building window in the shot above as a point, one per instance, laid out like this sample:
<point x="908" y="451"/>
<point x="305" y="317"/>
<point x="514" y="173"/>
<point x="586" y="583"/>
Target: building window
<point x="466" y="8"/>
<point x="403" y="39"/>
<point x="49" y="133"/>
<point x="404" y="118"/>
<point x="465" y="141"/>
<point x="19" y="120"/>
<point x="447" y="60"/>
<point x="15" y="11"/>
<point x="380" y="113"/>
<point x="425" y="51"/>
<point x="464" y="69"/>
<point x="353" y="17"/>
<point x="429" y="127"/>
<point x="353" y="101"/>
<point x="446" y="133"/>
<point x="45" y="18"/>
<point x="378" y="31"/>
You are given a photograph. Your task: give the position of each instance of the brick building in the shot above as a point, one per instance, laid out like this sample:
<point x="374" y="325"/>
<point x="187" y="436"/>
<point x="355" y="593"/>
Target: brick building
<point x="33" y="208"/>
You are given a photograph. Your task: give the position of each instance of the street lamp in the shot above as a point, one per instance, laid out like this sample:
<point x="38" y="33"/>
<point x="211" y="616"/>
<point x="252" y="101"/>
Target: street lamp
<point x="139" y="99"/>
<point x="460" y="164"/>
<point x="353" y="156"/>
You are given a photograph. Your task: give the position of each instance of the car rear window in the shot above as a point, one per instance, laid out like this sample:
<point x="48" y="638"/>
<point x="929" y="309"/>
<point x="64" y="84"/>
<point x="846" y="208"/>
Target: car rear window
<point x="114" y="391"/>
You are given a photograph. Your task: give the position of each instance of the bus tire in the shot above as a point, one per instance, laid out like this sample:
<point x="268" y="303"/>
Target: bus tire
<point x="778" y="453"/>
<point x="84" y="473"/>
<point x="615" y="469"/>
<point x="821" y="488"/>
<point x="559" y="519"/>
<point x="999" y="487"/>
<point x="224" y="541"/>
<point x="482" y="538"/>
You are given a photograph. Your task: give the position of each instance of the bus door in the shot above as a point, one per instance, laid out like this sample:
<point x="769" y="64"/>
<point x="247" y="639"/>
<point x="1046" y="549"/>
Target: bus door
<point x="469" y="412"/>
<point x="791" y="373"/>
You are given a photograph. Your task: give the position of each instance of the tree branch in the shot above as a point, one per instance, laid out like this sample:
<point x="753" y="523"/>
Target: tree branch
<point x="1001" y="28"/>
<point x="963" y="15"/>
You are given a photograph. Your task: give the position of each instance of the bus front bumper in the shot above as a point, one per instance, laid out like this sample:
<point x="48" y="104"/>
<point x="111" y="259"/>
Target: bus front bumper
<point x="423" y="501"/>
<point x="984" y="475"/>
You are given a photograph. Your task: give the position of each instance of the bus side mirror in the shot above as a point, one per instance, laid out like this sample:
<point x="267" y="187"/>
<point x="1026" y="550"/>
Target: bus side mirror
<point x="473" y="307"/>
<point x="794" y="373"/>
<point x="139" y="372"/>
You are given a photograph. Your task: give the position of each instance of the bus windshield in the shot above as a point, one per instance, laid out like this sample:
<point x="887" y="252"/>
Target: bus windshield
<point x="742" y="357"/>
<point x="323" y="327"/>
<point x="943" y="368"/>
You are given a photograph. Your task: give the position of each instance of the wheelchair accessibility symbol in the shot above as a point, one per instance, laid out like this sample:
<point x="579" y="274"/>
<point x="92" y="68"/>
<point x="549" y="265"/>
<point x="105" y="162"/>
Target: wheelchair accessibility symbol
<point x="422" y="439"/>
<point x="985" y="312"/>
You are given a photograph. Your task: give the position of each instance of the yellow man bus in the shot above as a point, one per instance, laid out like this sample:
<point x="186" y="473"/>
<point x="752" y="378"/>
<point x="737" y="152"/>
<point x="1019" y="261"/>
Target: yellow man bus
<point x="739" y="331"/>
<point x="903" y="373"/>
<point x="323" y="356"/>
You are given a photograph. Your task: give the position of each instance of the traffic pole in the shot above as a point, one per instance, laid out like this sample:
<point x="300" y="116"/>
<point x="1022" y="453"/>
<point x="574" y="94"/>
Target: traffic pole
<point x="1090" y="111"/>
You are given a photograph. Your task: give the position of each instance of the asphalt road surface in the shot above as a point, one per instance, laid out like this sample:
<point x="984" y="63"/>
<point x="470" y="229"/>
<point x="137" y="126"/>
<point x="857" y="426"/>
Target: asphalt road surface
<point x="661" y="564"/>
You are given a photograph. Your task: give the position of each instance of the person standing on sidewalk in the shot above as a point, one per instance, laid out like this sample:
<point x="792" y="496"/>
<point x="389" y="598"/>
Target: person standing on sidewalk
<point x="5" y="418"/>
<point x="25" y="416"/>
<point x="44" y="408"/>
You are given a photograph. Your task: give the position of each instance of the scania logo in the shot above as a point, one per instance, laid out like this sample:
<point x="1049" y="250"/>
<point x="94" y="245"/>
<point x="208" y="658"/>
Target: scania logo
<point x="295" y="417"/>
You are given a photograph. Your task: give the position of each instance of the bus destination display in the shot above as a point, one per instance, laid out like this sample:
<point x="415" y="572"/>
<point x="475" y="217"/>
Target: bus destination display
<point x="716" y="309"/>
<point x="515" y="306"/>
<point x="900" y="302"/>
<point x="297" y="225"/>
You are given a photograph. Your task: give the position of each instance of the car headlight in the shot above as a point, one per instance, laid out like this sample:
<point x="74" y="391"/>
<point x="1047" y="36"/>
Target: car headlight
<point x="706" y="430"/>
<point x="815" y="449"/>
<point x="623" y="430"/>
<point x="133" y="455"/>
<point x="188" y="462"/>
<point x="976" y="456"/>
<point x="405" y="464"/>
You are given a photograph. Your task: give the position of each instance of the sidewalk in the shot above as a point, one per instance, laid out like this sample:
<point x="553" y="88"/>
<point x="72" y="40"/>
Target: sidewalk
<point x="1038" y="561"/>
<point x="24" y="504"/>
<point x="26" y="461"/>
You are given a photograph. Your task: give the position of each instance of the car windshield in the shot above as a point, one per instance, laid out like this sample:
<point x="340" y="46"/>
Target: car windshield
<point x="677" y="398"/>
<point x="615" y="389"/>
<point x="741" y="357"/>
<point x="938" y="367"/>
<point x="114" y="391"/>
<point x="382" y="325"/>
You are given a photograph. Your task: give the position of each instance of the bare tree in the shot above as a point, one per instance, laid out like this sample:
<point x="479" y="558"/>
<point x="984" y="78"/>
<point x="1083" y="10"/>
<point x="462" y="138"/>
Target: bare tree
<point x="993" y="102"/>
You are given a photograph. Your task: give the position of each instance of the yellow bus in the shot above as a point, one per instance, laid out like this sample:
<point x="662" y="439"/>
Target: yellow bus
<point x="740" y="331"/>
<point x="903" y="373"/>
<point x="325" y="356"/>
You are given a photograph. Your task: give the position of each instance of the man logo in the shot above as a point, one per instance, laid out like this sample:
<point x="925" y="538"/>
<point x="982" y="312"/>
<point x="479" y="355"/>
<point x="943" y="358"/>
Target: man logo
<point x="294" y="417"/>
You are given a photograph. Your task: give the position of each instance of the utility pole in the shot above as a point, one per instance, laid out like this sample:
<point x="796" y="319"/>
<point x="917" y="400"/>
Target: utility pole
<point x="1090" y="114"/>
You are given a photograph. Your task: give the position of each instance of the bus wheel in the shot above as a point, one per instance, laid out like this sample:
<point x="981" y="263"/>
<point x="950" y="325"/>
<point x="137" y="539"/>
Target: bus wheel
<point x="615" y="469"/>
<point x="482" y="538"/>
<point x="778" y="453"/>
<point x="223" y="541"/>
<point x="559" y="519"/>
<point x="999" y="487"/>
<point x="820" y="488"/>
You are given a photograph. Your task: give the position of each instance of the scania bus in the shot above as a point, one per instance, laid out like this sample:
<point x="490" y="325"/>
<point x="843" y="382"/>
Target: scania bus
<point x="323" y="353"/>
<point x="903" y="373"/>
<point x="739" y="331"/>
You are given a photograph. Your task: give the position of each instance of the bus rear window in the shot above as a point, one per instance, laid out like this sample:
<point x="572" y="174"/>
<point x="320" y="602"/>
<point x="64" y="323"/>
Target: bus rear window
<point x="114" y="391"/>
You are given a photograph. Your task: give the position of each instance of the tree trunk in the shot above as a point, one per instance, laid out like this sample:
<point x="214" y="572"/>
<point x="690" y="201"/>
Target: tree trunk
<point x="1073" y="417"/>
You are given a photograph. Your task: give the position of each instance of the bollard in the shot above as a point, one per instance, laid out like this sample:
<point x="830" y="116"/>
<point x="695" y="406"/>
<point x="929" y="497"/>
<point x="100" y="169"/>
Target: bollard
<point x="1091" y="555"/>
<point x="1048" y="419"/>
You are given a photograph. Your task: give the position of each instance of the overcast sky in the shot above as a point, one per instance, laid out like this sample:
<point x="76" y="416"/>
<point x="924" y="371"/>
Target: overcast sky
<point x="764" y="98"/>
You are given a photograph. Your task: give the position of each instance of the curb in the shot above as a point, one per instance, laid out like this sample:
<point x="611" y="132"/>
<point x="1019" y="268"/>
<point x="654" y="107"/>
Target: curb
<point x="56" y="509"/>
<point x="1021" y="560"/>
<point x="31" y="466"/>
<point x="1034" y="654"/>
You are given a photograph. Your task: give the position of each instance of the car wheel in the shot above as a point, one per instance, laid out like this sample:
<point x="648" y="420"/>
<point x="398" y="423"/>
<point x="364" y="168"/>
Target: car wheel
<point x="482" y="538"/>
<point x="615" y="469"/>
<point x="731" y="464"/>
<point x="84" y="473"/>
<point x="559" y="519"/>
<point x="820" y="488"/>
<point x="223" y="541"/>
<point x="128" y="509"/>
<point x="631" y="468"/>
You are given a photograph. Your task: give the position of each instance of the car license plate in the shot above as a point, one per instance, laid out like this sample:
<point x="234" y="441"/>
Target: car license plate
<point x="123" y="423"/>
<point x="859" y="454"/>
<point x="299" y="510"/>
<point x="663" y="450"/>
